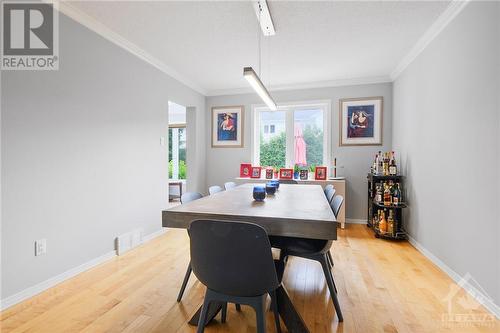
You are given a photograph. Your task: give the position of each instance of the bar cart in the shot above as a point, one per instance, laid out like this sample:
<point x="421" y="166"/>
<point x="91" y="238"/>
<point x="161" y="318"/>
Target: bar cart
<point x="385" y="217"/>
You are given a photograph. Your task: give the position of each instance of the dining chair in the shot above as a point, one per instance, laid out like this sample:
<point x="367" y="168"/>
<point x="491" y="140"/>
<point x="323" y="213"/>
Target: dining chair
<point x="214" y="189"/>
<point x="288" y="181"/>
<point x="229" y="185"/>
<point x="185" y="198"/>
<point x="234" y="261"/>
<point x="314" y="249"/>
<point x="327" y="188"/>
<point x="330" y="193"/>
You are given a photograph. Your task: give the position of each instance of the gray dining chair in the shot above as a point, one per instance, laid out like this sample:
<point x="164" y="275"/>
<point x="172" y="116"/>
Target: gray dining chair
<point x="229" y="185"/>
<point x="330" y="194"/>
<point x="185" y="198"/>
<point x="328" y="188"/>
<point x="336" y="204"/>
<point x="234" y="261"/>
<point x="214" y="189"/>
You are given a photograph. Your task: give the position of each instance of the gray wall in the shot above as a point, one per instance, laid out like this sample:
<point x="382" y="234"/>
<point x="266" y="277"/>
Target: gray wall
<point x="223" y="163"/>
<point x="446" y="125"/>
<point x="81" y="154"/>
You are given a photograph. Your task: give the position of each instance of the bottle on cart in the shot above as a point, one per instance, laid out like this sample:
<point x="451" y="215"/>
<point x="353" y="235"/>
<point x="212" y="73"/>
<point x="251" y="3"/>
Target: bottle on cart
<point x="378" y="192"/>
<point x="396" y="196"/>
<point x="393" y="170"/>
<point x="380" y="163"/>
<point x="375" y="165"/>
<point x="387" y="194"/>
<point x="382" y="224"/>
<point x="390" y="223"/>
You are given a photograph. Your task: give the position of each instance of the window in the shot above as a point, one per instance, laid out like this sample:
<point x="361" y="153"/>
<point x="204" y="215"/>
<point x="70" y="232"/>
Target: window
<point x="295" y="134"/>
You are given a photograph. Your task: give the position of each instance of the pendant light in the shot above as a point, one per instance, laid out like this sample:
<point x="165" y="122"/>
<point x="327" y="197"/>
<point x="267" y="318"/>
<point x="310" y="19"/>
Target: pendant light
<point x="249" y="74"/>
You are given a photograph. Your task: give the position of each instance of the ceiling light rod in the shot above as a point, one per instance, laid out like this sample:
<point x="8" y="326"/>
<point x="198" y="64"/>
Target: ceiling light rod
<point x="259" y="87"/>
<point x="264" y="17"/>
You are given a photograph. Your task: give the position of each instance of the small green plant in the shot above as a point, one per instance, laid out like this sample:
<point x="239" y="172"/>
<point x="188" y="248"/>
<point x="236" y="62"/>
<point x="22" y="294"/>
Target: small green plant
<point x="312" y="168"/>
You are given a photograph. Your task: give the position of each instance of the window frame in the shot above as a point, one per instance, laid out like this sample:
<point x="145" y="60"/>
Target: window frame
<point x="289" y="108"/>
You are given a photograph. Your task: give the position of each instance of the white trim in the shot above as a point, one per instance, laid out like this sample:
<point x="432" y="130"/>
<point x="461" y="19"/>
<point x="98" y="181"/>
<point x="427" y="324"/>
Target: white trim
<point x="153" y="235"/>
<point x="311" y="85"/>
<point x="453" y="9"/>
<point x="101" y="29"/>
<point x="51" y="282"/>
<point x="469" y="288"/>
<point x="42" y="286"/>
<point x="355" y="221"/>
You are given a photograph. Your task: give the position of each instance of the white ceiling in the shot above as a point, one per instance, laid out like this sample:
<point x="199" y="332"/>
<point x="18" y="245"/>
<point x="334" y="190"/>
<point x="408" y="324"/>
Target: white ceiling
<point x="210" y="42"/>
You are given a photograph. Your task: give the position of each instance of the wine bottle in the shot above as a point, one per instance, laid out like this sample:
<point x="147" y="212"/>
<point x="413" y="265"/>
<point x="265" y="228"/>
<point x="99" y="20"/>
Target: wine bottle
<point x="396" y="196"/>
<point x="380" y="163"/>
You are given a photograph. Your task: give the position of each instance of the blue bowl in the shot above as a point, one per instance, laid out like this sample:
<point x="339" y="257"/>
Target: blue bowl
<point x="259" y="193"/>
<point x="271" y="188"/>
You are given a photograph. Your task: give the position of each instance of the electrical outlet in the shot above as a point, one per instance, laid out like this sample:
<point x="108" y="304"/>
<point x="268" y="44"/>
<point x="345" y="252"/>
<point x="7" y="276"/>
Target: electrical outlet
<point x="40" y="247"/>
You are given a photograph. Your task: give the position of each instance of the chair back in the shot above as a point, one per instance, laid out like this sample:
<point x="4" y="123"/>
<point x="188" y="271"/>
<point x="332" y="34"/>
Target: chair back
<point x="229" y="185"/>
<point x="190" y="196"/>
<point x="214" y="189"/>
<point x="328" y="188"/>
<point x="330" y="193"/>
<point x="288" y="181"/>
<point x="233" y="258"/>
<point x="337" y="202"/>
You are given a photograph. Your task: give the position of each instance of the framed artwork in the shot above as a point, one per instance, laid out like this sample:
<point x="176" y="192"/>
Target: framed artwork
<point x="255" y="172"/>
<point x="245" y="170"/>
<point x="304" y="174"/>
<point x="320" y="173"/>
<point x="361" y="121"/>
<point x="286" y="173"/>
<point x="227" y="126"/>
<point x="269" y="173"/>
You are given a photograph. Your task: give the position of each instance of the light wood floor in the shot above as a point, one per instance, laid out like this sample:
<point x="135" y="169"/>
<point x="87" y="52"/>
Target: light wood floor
<point x="383" y="287"/>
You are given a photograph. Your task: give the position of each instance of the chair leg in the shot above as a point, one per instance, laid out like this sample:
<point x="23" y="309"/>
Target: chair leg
<point x="204" y="312"/>
<point x="330" y="257"/>
<point x="331" y="286"/>
<point x="283" y="255"/>
<point x="223" y="314"/>
<point x="274" y="306"/>
<point x="238" y="307"/>
<point x="184" y="283"/>
<point x="260" y="314"/>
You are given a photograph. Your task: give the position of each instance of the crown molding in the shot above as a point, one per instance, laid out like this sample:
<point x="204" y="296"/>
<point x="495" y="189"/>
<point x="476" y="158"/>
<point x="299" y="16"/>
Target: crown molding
<point x="319" y="84"/>
<point x="101" y="29"/>
<point x="453" y="9"/>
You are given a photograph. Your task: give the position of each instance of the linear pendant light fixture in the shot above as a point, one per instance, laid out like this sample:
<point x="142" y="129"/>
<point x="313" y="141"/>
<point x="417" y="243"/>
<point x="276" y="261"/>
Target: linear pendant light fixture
<point x="266" y="24"/>
<point x="259" y="87"/>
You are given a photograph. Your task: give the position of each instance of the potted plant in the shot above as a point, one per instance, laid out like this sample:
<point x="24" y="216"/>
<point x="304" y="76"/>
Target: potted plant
<point x="296" y="170"/>
<point x="311" y="169"/>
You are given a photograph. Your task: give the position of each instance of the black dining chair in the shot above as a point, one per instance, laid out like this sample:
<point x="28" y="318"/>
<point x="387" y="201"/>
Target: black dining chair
<point x="229" y="185"/>
<point x="234" y="261"/>
<point x="214" y="189"/>
<point x="185" y="198"/>
<point x="314" y="249"/>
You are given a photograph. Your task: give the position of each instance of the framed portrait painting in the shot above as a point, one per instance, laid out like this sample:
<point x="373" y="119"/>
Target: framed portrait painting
<point x="361" y="121"/>
<point x="227" y="126"/>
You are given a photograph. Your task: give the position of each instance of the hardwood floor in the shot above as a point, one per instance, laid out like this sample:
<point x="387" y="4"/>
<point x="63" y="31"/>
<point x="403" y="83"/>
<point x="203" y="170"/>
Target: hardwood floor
<point x="383" y="287"/>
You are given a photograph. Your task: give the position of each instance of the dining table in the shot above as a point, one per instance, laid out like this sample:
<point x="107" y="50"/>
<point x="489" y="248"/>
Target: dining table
<point x="295" y="210"/>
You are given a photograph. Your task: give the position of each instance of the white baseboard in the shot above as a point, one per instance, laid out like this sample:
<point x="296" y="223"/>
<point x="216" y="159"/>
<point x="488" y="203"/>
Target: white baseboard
<point x="478" y="295"/>
<point x="153" y="235"/>
<point x="356" y="221"/>
<point x="42" y="286"/>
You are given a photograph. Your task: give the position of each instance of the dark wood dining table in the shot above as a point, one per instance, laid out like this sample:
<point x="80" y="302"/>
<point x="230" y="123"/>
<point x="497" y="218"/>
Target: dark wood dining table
<point x="294" y="211"/>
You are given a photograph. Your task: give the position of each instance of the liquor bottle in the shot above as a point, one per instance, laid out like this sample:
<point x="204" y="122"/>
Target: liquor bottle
<point x="375" y="165"/>
<point x="393" y="170"/>
<point x="387" y="194"/>
<point x="396" y="196"/>
<point x="390" y="223"/>
<point x="382" y="224"/>
<point x="378" y="192"/>
<point x="380" y="163"/>
<point x="386" y="164"/>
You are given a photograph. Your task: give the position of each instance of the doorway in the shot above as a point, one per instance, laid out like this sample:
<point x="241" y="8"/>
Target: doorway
<point x="177" y="151"/>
